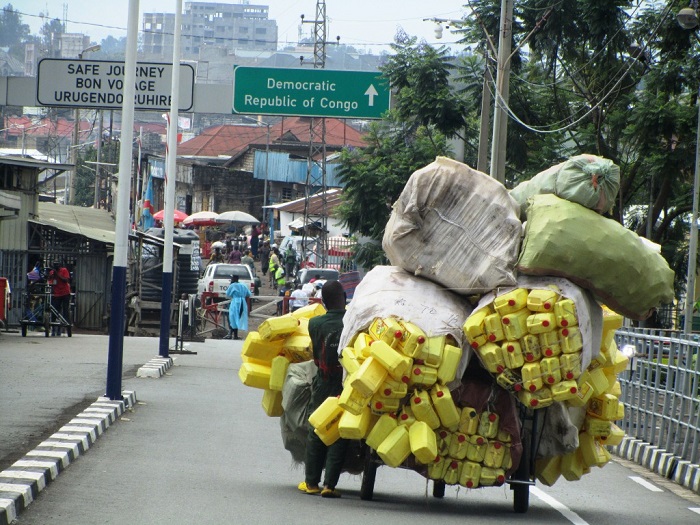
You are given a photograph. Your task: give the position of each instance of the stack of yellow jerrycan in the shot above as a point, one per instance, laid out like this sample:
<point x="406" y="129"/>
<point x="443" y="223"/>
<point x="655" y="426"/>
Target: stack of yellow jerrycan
<point x="267" y="353"/>
<point x="396" y="398"/>
<point x="530" y="341"/>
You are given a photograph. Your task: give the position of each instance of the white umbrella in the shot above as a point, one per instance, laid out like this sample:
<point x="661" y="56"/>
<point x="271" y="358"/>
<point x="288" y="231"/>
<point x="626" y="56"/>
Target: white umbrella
<point x="201" y="218"/>
<point x="237" y="218"/>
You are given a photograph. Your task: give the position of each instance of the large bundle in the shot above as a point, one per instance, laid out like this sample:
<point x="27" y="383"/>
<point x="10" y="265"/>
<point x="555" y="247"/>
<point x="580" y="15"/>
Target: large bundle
<point x="567" y="240"/>
<point x="588" y="180"/>
<point x="455" y="226"/>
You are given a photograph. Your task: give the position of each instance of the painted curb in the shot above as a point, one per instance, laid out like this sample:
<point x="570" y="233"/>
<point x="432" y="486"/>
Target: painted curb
<point x="660" y="461"/>
<point x="23" y="480"/>
<point x="156" y="367"/>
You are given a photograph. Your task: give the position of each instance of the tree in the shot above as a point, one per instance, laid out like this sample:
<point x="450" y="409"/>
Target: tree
<point x="13" y="32"/>
<point x="113" y="46"/>
<point x="50" y="32"/>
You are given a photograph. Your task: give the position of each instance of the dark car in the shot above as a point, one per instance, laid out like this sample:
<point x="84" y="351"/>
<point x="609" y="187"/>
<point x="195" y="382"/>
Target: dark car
<point x="322" y="274"/>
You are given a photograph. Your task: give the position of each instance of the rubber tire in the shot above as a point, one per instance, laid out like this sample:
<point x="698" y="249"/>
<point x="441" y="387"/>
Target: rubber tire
<point x="69" y="331"/>
<point x="47" y="324"/>
<point x="521" y="498"/>
<point x="438" y="489"/>
<point x="369" y="475"/>
<point x="24" y="330"/>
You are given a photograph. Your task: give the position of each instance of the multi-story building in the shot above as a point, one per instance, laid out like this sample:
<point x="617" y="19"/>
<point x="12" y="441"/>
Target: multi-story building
<point x="211" y="24"/>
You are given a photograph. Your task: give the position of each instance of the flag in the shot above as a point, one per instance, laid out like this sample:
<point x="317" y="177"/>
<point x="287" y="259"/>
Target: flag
<point x="147" y="220"/>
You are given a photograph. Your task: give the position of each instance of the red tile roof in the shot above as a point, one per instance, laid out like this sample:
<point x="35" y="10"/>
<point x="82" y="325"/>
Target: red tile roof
<point x="229" y="140"/>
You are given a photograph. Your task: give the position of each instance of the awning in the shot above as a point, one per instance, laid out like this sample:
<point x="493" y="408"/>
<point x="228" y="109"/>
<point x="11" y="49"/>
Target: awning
<point x="9" y="205"/>
<point x="299" y="223"/>
<point x="94" y="224"/>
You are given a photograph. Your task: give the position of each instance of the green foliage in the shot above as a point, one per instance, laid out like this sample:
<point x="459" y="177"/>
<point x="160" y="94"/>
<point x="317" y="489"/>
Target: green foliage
<point x="13" y="33"/>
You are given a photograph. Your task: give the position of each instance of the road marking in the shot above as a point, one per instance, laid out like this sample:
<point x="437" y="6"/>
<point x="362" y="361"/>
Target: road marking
<point x="644" y="483"/>
<point x="563" y="509"/>
<point x="696" y="510"/>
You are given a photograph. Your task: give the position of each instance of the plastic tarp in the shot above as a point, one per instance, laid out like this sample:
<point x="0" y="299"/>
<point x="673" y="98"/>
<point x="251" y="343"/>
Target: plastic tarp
<point x="390" y="291"/>
<point x="567" y="240"/>
<point x="296" y="393"/>
<point x="456" y="226"/>
<point x="585" y="179"/>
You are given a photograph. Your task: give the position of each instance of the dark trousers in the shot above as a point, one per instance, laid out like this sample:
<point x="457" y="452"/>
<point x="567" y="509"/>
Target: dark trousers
<point x="62" y="306"/>
<point x="318" y="455"/>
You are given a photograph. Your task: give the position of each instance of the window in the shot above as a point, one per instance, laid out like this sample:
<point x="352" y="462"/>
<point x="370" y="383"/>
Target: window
<point x="286" y="194"/>
<point x="260" y="30"/>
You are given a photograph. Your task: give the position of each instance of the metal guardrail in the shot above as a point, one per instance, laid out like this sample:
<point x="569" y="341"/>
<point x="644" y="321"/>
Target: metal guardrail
<point x="661" y="389"/>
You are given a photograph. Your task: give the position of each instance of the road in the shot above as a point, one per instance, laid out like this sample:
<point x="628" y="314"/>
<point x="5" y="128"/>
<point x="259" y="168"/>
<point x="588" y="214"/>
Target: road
<point x="197" y="448"/>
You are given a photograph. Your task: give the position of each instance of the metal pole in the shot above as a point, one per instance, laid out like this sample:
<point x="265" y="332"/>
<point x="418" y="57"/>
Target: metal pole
<point x="483" y="158"/>
<point x="116" y="320"/>
<point x="693" y="246"/>
<point x="267" y="173"/>
<point x="500" y="119"/>
<point x="170" y="182"/>
<point x="98" y="180"/>
<point x="74" y="154"/>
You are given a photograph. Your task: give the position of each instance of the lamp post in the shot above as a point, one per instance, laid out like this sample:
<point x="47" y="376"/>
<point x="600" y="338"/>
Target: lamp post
<point x="688" y="19"/>
<point x="76" y="132"/>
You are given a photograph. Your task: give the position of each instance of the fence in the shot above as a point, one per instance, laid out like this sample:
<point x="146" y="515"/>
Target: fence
<point x="661" y="390"/>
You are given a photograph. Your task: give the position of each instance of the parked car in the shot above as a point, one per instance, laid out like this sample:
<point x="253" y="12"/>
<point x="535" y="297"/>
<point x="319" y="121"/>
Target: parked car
<point x="217" y="278"/>
<point x="324" y="274"/>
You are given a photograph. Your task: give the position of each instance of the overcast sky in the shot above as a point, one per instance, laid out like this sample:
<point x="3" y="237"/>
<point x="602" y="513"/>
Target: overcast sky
<point x="369" y="24"/>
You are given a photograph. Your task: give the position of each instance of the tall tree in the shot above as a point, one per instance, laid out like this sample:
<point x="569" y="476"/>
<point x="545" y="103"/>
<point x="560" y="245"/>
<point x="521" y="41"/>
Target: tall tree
<point x="12" y="31"/>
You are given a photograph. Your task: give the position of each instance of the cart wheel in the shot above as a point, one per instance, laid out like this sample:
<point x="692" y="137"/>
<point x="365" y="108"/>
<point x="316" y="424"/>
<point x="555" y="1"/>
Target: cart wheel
<point x="47" y="328"/>
<point x="369" y="474"/>
<point x="24" y="330"/>
<point x="521" y="498"/>
<point x="438" y="489"/>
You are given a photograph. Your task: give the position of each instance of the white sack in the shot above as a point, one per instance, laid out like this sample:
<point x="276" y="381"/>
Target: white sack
<point x="456" y="226"/>
<point x="390" y="291"/>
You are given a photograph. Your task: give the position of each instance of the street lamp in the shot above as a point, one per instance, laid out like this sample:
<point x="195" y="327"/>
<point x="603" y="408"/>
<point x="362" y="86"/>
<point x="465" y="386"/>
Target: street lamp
<point x="688" y="19"/>
<point x="76" y="132"/>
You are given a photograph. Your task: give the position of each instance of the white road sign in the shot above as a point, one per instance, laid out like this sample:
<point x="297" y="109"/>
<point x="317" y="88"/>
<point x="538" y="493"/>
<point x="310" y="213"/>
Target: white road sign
<point x="100" y="83"/>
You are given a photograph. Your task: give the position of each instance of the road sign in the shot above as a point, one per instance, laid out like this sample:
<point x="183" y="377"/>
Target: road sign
<point x="309" y="92"/>
<point x="99" y="84"/>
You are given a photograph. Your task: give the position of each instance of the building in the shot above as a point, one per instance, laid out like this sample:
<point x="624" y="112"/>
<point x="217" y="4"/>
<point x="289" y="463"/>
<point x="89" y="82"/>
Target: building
<point x="210" y="24"/>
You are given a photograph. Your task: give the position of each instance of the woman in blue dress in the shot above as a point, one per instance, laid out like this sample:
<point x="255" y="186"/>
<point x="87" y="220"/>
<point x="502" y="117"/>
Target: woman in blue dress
<point x="238" y="309"/>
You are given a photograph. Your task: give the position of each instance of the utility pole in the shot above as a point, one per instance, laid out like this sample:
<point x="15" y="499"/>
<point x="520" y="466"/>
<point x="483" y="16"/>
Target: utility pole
<point x="500" y="119"/>
<point x="317" y="143"/>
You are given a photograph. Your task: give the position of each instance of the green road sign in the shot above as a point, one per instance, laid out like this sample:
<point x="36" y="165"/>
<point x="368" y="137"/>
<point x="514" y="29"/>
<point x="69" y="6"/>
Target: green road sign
<point x="309" y="92"/>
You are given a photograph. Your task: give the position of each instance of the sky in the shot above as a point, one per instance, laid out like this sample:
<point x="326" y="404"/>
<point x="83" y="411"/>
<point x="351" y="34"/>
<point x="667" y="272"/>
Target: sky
<point x="366" y="24"/>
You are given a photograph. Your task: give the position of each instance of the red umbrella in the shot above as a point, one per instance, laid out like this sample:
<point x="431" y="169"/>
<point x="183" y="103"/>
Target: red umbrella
<point x="202" y="218"/>
<point x="178" y="215"/>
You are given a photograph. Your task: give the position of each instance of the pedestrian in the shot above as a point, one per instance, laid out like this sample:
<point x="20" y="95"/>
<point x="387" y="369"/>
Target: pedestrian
<point x="217" y="257"/>
<point x="299" y="298"/>
<point x="290" y="260"/>
<point x="248" y="259"/>
<point x="264" y="257"/>
<point x="324" y="332"/>
<point x="273" y="264"/>
<point x="234" y="257"/>
<point x="238" y="308"/>
<point x="255" y="241"/>
<point x="59" y="279"/>
<point x="280" y="277"/>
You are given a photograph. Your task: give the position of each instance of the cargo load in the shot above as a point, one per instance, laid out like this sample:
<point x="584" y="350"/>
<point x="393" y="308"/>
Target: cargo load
<point x="588" y="180"/>
<point x="455" y="226"/>
<point x="567" y="240"/>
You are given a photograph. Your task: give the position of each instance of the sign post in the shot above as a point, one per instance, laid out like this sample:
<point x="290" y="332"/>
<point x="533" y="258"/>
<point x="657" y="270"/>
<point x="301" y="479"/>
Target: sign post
<point x="309" y="92"/>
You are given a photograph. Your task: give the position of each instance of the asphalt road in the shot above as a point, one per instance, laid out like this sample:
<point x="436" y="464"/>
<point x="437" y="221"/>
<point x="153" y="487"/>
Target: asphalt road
<point x="197" y="448"/>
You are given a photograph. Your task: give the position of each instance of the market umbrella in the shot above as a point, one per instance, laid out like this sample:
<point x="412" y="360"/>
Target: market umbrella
<point x="178" y="215"/>
<point x="237" y="218"/>
<point x="201" y="218"/>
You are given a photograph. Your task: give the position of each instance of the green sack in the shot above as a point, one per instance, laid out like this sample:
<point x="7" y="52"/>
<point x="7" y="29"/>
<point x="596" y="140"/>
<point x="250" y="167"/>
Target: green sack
<point x="565" y="239"/>
<point x="586" y="179"/>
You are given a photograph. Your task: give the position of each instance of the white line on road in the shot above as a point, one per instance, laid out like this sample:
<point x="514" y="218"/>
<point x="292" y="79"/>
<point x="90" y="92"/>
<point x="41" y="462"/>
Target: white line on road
<point x="563" y="509"/>
<point x="696" y="510"/>
<point x="644" y="483"/>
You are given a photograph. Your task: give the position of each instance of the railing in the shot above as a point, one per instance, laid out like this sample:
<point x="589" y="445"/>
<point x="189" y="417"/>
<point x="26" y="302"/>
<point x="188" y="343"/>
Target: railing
<point x="661" y="389"/>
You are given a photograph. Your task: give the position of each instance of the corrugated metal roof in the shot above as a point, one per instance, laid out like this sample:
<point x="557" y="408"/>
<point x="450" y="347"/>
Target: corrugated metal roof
<point x="98" y="225"/>
<point x="333" y="199"/>
<point x="278" y="167"/>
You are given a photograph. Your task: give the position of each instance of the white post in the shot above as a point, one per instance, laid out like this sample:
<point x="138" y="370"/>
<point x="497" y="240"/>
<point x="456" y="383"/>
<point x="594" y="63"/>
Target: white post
<point x="116" y="321"/>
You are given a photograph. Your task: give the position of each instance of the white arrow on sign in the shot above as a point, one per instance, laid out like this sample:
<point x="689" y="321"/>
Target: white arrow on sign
<point x="371" y="93"/>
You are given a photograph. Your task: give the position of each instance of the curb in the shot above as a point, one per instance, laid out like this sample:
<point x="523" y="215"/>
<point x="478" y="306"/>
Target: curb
<point x="21" y="483"/>
<point x="660" y="461"/>
<point x="156" y="367"/>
